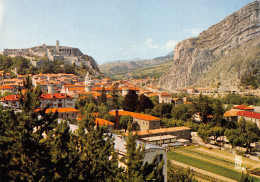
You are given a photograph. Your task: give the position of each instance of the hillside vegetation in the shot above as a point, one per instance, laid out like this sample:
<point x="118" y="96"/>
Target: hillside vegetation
<point x="137" y="69"/>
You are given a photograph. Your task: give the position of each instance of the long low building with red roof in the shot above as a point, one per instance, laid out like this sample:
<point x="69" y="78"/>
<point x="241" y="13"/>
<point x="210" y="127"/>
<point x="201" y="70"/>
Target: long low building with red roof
<point x="145" y="121"/>
<point x="181" y="132"/>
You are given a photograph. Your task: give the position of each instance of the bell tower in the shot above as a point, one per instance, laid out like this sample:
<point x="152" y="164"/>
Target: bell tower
<point x="57" y="45"/>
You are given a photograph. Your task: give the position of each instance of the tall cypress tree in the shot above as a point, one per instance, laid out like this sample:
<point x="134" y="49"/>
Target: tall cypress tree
<point x="95" y="148"/>
<point x="136" y="169"/>
<point x="130" y="101"/>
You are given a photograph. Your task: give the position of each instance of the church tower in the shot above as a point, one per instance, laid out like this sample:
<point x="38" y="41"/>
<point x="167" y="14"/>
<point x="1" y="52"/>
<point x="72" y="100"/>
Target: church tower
<point x="88" y="80"/>
<point x="57" y="45"/>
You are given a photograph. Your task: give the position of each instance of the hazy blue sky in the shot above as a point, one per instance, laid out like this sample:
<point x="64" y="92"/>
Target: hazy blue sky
<point x="112" y="29"/>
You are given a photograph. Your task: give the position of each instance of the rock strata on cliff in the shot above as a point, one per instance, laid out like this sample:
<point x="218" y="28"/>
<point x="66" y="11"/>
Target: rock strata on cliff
<point x="196" y="59"/>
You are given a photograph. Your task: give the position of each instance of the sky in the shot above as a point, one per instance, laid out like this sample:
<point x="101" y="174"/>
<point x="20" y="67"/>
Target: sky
<point x="110" y="30"/>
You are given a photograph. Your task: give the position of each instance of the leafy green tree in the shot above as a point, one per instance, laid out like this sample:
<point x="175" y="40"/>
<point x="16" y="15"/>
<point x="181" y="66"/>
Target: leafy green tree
<point x="203" y="107"/>
<point x="233" y="137"/>
<point x="249" y="132"/>
<point x="22" y="64"/>
<point x="144" y="103"/>
<point x="245" y="134"/>
<point x="155" y="100"/>
<point x="124" y="120"/>
<point x="182" y="112"/>
<point x="69" y="69"/>
<point x="204" y="132"/>
<point x="216" y="132"/>
<point x="130" y="101"/>
<point x="162" y="110"/>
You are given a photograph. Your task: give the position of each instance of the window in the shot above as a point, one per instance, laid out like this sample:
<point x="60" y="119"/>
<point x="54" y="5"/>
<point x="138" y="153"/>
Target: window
<point x="154" y="123"/>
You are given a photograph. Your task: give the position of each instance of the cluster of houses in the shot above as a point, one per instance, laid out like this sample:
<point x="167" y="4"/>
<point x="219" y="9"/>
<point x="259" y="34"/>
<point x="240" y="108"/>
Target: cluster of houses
<point x="239" y="111"/>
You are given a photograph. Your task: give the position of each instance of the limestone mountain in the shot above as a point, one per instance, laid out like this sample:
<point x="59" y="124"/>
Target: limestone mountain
<point x="223" y="55"/>
<point x="137" y="68"/>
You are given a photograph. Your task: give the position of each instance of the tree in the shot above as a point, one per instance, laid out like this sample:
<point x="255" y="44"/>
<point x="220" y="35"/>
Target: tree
<point x="162" y="110"/>
<point x="182" y="112"/>
<point x="216" y="132"/>
<point x="103" y="97"/>
<point x="245" y="134"/>
<point x="144" y="103"/>
<point x="136" y="169"/>
<point x="115" y="104"/>
<point x="249" y="132"/>
<point x="69" y="69"/>
<point x="124" y="120"/>
<point x="130" y="101"/>
<point x="218" y="113"/>
<point x="203" y="107"/>
<point x="102" y="111"/>
<point x="204" y="132"/>
<point x="95" y="147"/>
<point x="155" y="100"/>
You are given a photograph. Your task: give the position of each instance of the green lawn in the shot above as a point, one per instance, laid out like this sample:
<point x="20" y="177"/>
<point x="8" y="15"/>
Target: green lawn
<point x="207" y="166"/>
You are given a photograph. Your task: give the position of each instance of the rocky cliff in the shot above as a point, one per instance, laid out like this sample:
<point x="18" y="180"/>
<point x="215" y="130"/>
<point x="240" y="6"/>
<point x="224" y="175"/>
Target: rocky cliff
<point x="212" y="57"/>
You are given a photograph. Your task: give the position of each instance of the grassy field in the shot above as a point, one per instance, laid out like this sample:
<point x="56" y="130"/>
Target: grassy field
<point x="223" y="166"/>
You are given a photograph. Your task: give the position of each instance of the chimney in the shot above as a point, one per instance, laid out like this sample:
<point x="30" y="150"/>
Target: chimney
<point x="117" y="123"/>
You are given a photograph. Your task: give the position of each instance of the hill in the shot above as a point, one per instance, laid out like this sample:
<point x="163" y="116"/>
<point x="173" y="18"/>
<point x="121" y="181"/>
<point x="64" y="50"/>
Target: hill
<point x="137" y="68"/>
<point x="226" y="55"/>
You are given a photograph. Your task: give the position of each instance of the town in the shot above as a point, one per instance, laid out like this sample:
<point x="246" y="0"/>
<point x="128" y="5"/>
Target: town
<point x="161" y="120"/>
<point x="130" y="91"/>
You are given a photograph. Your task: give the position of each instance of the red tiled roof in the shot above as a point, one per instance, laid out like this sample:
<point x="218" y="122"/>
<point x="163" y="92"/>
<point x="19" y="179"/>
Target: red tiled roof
<point x="249" y="114"/>
<point x="136" y="115"/>
<point x="76" y="89"/>
<point x="6" y="87"/>
<point x="11" y="97"/>
<point x="59" y="110"/>
<point x="55" y="96"/>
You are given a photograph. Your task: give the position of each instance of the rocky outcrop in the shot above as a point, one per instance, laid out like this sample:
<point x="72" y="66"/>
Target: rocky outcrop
<point x="195" y="58"/>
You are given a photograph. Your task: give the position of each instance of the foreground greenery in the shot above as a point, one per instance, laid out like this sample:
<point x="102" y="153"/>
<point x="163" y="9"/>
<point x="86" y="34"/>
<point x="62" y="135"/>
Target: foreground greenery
<point x="34" y="147"/>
